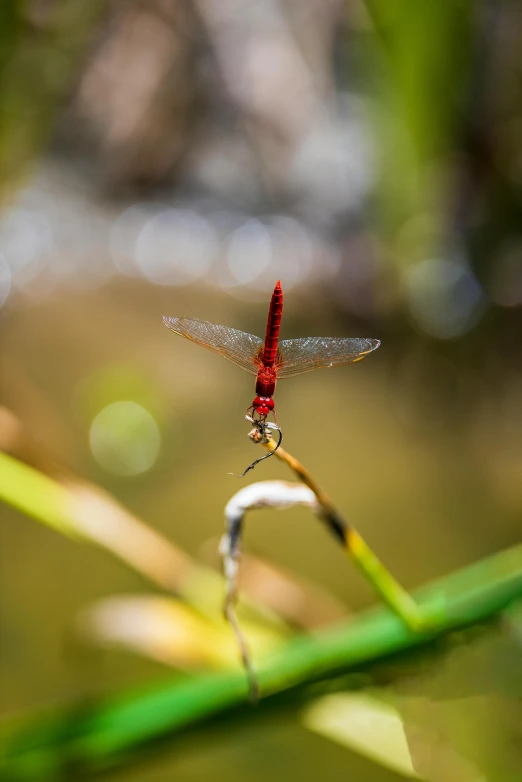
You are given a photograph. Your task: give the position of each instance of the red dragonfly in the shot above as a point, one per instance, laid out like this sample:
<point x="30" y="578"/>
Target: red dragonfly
<point x="271" y="360"/>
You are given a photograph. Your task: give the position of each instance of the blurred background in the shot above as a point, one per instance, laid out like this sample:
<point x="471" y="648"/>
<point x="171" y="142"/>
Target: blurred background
<point x="177" y="158"/>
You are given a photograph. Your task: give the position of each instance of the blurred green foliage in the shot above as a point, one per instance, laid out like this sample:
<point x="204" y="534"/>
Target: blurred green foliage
<point x="41" y="50"/>
<point x="424" y="53"/>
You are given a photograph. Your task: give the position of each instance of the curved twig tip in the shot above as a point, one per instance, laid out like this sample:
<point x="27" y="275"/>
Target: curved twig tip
<point x="266" y="456"/>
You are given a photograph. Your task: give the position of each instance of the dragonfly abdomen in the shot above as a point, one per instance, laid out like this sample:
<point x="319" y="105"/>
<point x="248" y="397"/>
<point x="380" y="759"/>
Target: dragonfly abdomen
<point x="272" y="327"/>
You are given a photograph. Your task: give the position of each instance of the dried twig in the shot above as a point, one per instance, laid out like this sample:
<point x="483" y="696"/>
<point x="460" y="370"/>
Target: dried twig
<point x="268" y="494"/>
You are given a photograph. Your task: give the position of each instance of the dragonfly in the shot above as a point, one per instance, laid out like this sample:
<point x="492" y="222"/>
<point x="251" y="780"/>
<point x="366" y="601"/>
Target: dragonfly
<point x="271" y="360"/>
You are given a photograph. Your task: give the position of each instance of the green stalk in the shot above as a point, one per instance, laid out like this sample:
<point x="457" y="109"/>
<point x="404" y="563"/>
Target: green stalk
<point x="398" y="598"/>
<point x="103" y="737"/>
<point x="36" y="495"/>
<point x="389" y="589"/>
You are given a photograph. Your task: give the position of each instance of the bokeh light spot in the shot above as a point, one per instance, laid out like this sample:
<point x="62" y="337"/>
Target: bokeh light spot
<point x="249" y="252"/>
<point x="445" y="298"/>
<point x="176" y="247"/>
<point x="26" y="242"/>
<point x="5" y="280"/>
<point x="125" y="233"/>
<point x="125" y="439"/>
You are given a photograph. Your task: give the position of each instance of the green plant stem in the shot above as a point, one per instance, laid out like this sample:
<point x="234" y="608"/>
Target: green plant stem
<point x="389" y="589"/>
<point x="37" y="495"/>
<point x="102" y="737"/>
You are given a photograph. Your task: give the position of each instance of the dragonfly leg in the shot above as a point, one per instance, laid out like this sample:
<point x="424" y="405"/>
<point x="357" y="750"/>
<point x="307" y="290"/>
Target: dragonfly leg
<point x="252" y="411"/>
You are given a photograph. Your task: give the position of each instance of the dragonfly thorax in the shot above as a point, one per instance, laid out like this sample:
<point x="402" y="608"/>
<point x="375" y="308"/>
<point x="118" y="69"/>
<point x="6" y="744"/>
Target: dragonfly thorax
<point x="263" y="405"/>
<point x="265" y="387"/>
<point x="266" y="381"/>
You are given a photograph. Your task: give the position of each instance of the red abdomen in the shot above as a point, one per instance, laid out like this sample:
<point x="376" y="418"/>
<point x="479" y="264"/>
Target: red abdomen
<point x="272" y="327"/>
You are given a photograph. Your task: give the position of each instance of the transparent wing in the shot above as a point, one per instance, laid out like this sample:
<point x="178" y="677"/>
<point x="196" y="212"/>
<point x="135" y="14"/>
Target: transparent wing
<point x="239" y="347"/>
<point x="297" y="356"/>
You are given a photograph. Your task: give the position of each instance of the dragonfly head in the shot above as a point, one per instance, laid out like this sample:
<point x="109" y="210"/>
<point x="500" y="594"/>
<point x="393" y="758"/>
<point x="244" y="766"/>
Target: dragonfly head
<point x="263" y="405"/>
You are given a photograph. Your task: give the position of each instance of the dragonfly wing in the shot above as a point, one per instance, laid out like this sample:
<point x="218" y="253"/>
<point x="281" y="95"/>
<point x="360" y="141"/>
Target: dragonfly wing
<point x="238" y="346"/>
<point x="297" y="356"/>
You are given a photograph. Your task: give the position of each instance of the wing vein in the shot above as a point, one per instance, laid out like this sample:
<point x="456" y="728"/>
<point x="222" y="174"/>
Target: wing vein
<point x="239" y="347"/>
<point x="297" y="356"/>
